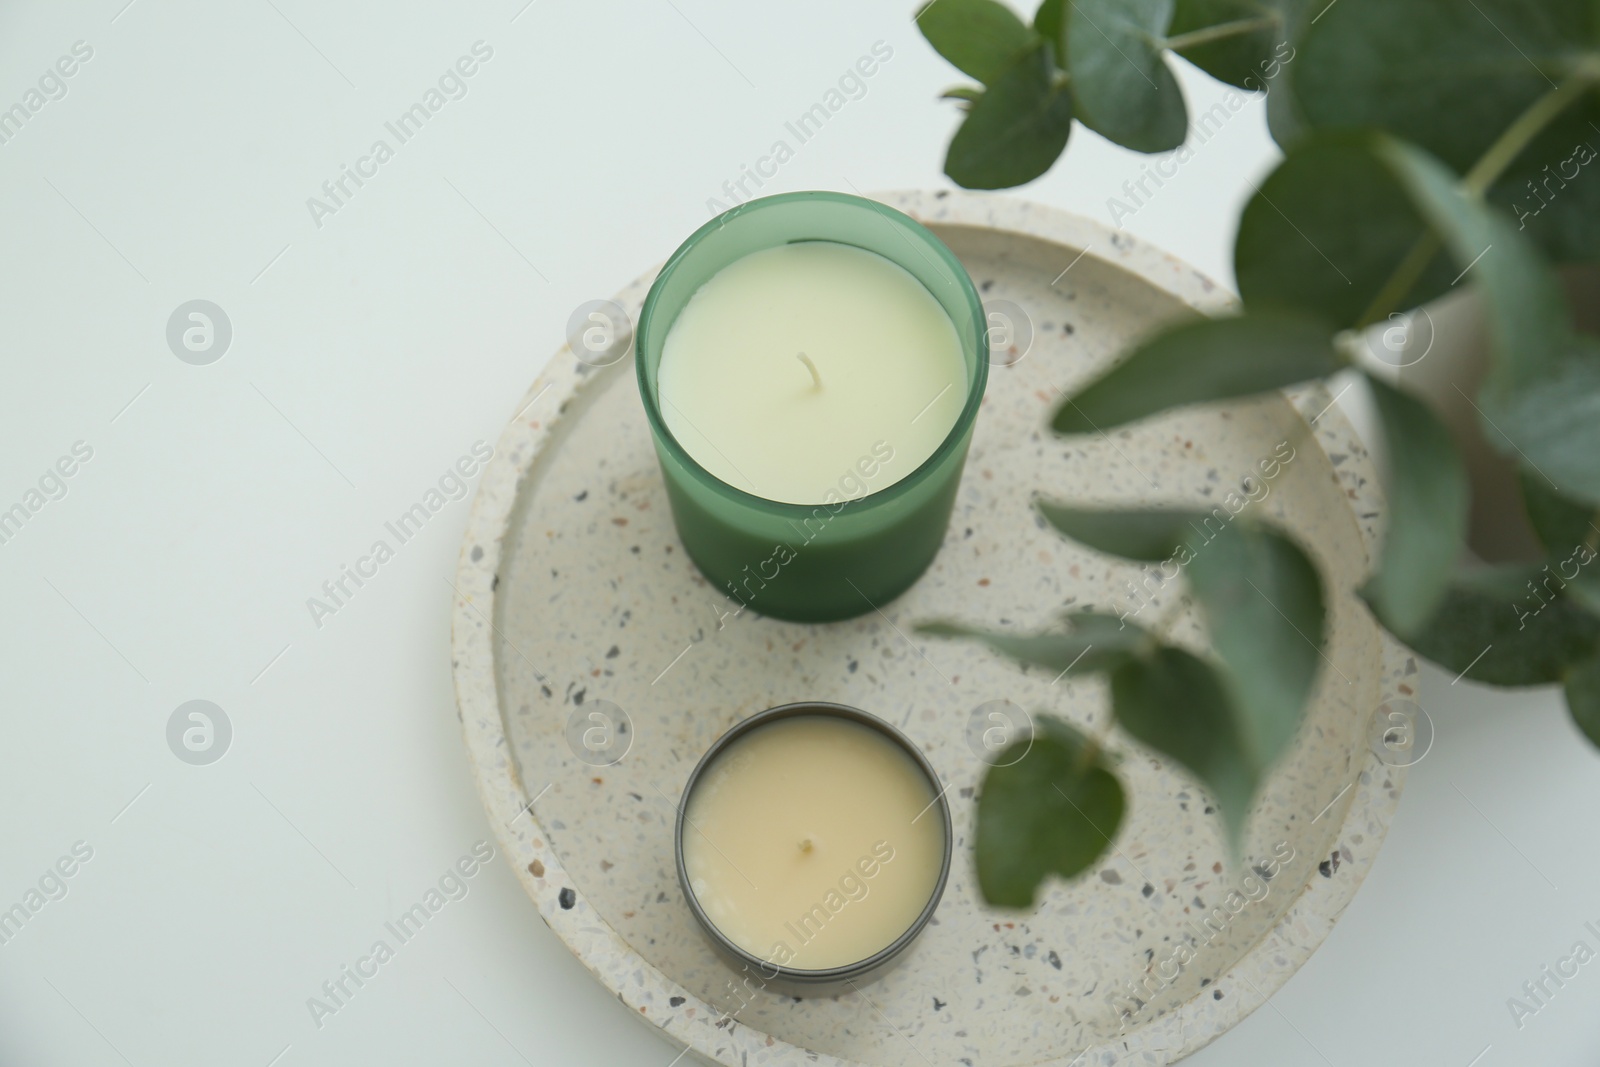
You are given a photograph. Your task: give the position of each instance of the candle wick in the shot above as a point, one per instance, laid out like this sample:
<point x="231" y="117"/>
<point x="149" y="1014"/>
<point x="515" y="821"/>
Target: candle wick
<point x="816" y="379"/>
<point x="805" y="846"/>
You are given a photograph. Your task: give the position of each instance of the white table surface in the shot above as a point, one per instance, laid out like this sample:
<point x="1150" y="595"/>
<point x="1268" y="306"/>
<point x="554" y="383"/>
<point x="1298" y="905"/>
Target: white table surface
<point x="368" y="354"/>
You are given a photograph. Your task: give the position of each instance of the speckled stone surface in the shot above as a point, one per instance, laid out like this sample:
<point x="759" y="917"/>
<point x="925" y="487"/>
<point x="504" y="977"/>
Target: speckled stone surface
<point x="574" y="589"/>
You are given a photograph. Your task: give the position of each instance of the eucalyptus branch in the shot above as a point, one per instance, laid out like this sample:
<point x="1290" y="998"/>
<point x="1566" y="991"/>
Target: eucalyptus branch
<point x="1228" y="712"/>
<point x="1220" y="32"/>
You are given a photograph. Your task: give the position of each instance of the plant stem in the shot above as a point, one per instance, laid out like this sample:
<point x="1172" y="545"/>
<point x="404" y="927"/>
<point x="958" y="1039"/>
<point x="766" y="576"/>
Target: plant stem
<point x="1516" y="137"/>
<point x="1483" y="174"/>
<point x="1400" y="282"/>
<point x="1221" y="31"/>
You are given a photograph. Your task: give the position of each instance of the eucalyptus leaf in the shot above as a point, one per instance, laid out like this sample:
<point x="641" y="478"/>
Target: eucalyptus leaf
<point x="1261" y="596"/>
<point x="1177" y="704"/>
<point x="1016" y="130"/>
<point x="1199" y="361"/>
<point x="1050" y="23"/>
<point x="1582" y="685"/>
<point x="1507" y="626"/>
<point x="1263" y="606"/>
<point x="1552" y="422"/>
<point x="1151" y="535"/>
<point x="1328" y="255"/>
<point x="1055" y="810"/>
<point x="1562" y="524"/>
<point x="981" y="38"/>
<point x="1570" y="532"/>
<point x="1094" y="642"/>
<point x="1285" y="119"/>
<point x="1447" y="75"/>
<point x="1120" y="78"/>
<point x="1427" y="520"/>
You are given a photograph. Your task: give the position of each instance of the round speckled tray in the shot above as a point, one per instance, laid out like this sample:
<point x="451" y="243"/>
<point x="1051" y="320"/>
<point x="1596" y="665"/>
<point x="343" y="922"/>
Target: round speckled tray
<point x="573" y="590"/>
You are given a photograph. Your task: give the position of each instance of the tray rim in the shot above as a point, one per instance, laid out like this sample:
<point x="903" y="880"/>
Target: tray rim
<point x="1374" y="794"/>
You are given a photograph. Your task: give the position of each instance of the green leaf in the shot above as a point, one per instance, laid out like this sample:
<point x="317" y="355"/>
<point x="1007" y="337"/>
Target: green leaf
<point x="1120" y="77"/>
<point x="1427" y="520"/>
<point x="980" y="38"/>
<point x="1150" y="536"/>
<point x="1263" y="606"/>
<point x="1238" y="38"/>
<point x="1094" y="642"/>
<point x="1212" y="359"/>
<point x="1506" y="626"/>
<point x="1016" y="131"/>
<point x="1447" y="75"/>
<point x="1053" y="811"/>
<point x="1177" y="704"/>
<point x="1302" y="247"/>
<point x="1261" y="596"/>
<point x="1551" y="422"/>
<point x="1285" y="120"/>
<point x="1049" y="22"/>
<point x="1570" y="532"/>
<point x="1541" y="401"/>
<point x="967" y="94"/>
<point x="1582" y="685"/>
<point x="1562" y="524"/>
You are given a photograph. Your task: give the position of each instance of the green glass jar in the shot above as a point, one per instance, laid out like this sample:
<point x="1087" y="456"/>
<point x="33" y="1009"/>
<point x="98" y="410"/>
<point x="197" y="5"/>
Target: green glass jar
<point x="813" y="562"/>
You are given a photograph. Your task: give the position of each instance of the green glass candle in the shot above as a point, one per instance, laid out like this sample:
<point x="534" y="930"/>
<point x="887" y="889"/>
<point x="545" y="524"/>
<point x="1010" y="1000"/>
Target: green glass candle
<point x="812" y="365"/>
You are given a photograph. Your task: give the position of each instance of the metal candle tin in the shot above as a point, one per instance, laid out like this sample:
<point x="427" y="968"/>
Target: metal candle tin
<point x="792" y="980"/>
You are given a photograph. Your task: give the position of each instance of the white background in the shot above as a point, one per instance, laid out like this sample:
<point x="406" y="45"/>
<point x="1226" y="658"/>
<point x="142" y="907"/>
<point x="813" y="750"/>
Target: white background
<point x="367" y="358"/>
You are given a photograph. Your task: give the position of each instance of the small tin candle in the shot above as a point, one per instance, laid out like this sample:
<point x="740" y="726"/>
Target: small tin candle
<point x="813" y="844"/>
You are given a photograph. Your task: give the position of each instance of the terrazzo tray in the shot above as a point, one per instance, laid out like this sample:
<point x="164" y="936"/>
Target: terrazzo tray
<point x="578" y="610"/>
